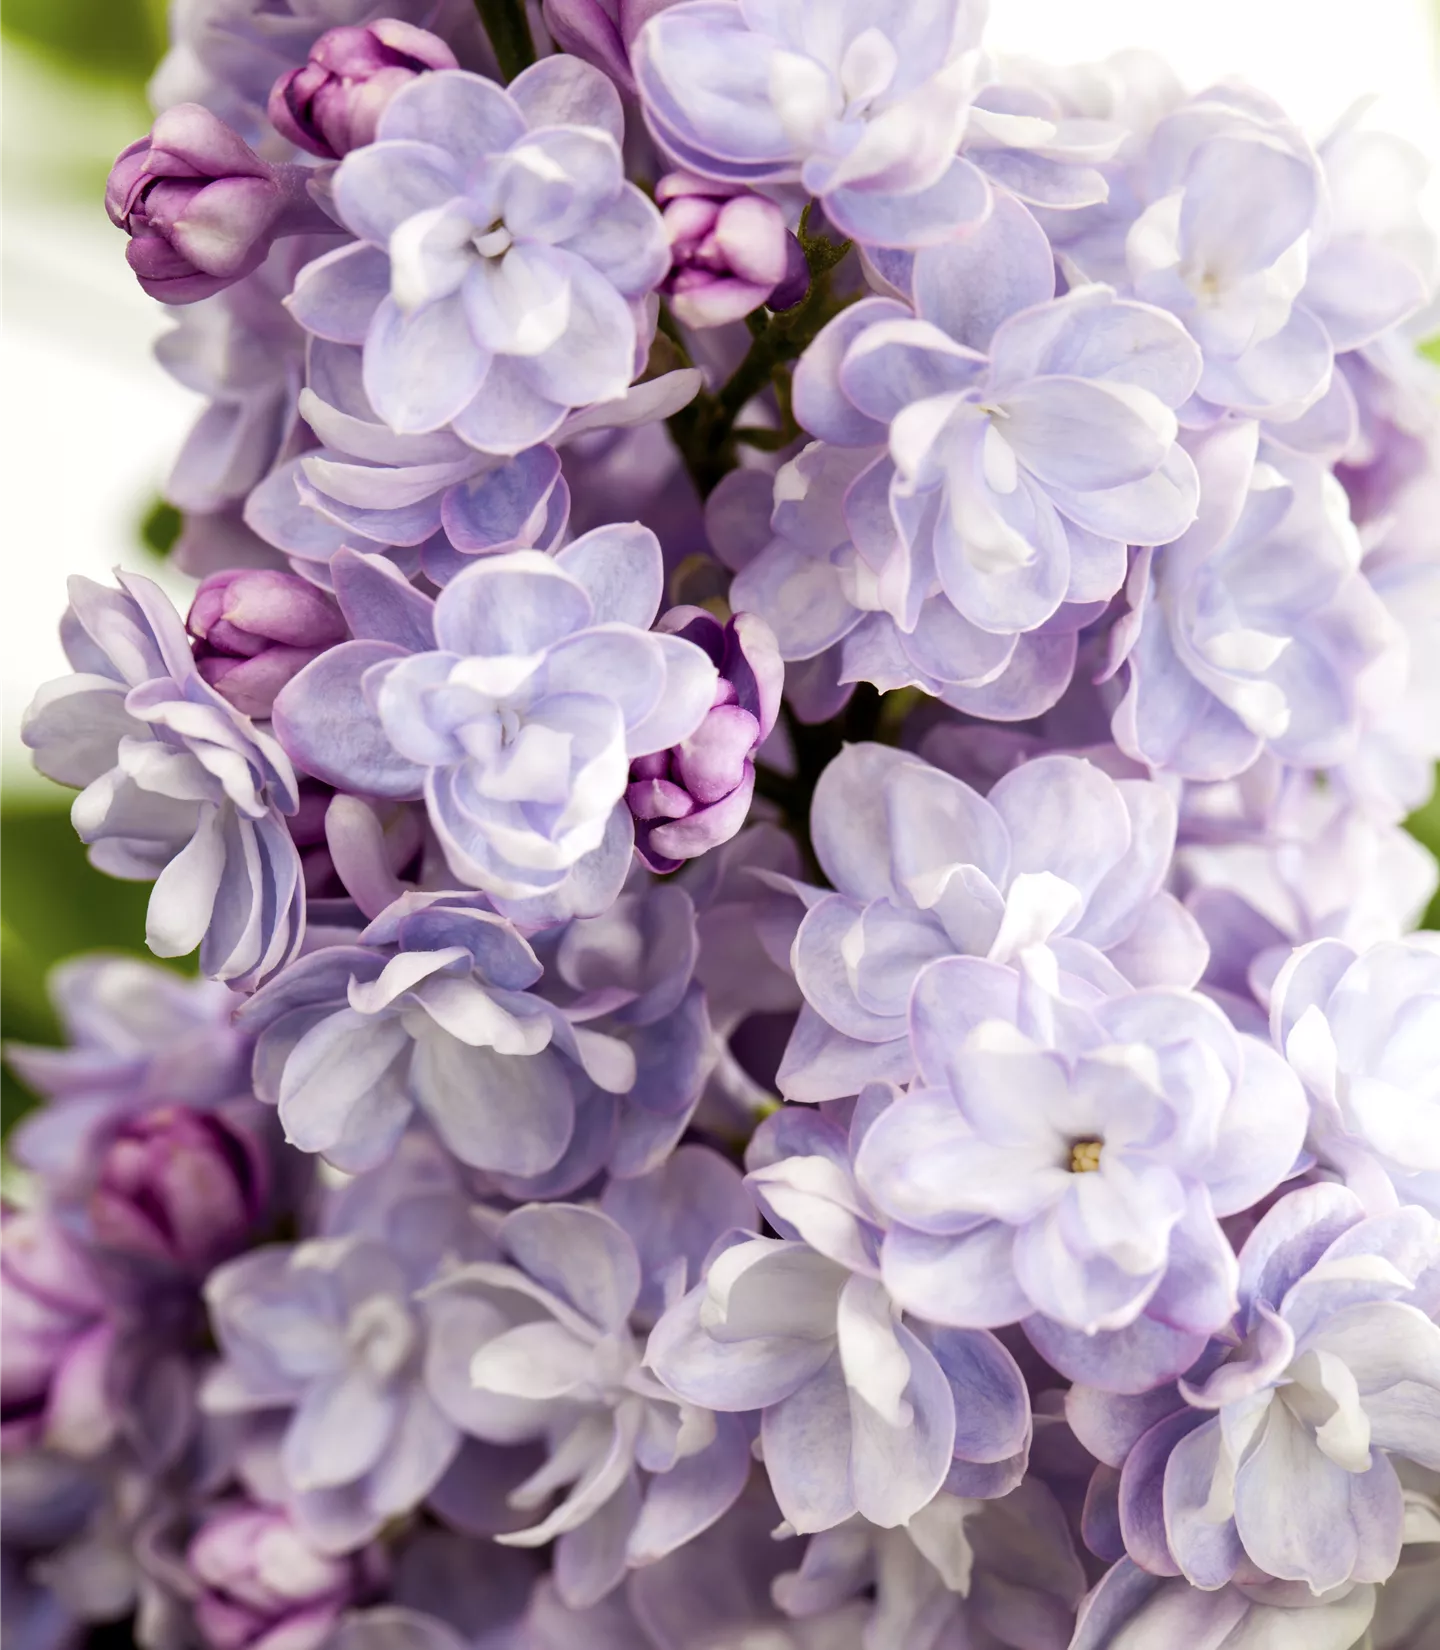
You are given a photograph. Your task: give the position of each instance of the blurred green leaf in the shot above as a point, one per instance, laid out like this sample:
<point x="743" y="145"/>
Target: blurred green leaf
<point x="160" y="526"/>
<point x="1424" y="826"/>
<point x="108" y="39"/>
<point x="56" y="904"/>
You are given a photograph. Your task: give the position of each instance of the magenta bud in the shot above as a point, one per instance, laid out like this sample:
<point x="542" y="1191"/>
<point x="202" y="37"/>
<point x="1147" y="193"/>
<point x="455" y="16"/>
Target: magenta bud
<point x="332" y="103"/>
<point x="263" y="1585"/>
<point x="696" y="795"/>
<point x="56" y="1340"/>
<point x="181" y="1188"/>
<point x="729" y="250"/>
<point x="254" y="629"/>
<point x="201" y="208"/>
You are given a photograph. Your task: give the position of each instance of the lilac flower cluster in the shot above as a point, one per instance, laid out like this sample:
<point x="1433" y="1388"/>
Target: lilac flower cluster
<point x="787" y="770"/>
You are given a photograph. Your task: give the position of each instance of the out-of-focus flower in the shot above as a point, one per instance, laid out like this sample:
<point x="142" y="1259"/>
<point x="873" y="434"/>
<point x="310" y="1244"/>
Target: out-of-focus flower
<point x="333" y="103"/>
<point x="601" y="31"/>
<point x="696" y="795"/>
<point x="501" y="260"/>
<point x="58" y="1341"/>
<point x="255" y="629"/>
<point x="262" y="1584"/>
<point x="179" y="786"/>
<point x="179" y="1187"/>
<point x="864" y="109"/>
<point x="201" y="208"/>
<point x="730" y="252"/>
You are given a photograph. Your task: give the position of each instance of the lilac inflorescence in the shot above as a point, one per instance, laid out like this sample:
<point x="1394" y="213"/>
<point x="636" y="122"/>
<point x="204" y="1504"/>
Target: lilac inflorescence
<point x="787" y="768"/>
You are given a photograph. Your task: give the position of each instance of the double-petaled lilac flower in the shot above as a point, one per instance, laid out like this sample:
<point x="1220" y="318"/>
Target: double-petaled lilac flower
<point x="327" y="1340"/>
<point x="695" y="796"/>
<point x="862" y="106"/>
<point x="860" y="1412"/>
<point x="201" y="208"/>
<point x="432" y="1008"/>
<point x="140" y="1038"/>
<point x="178" y="785"/>
<point x="514" y="705"/>
<point x="254" y="629"/>
<point x="58" y="1341"/>
<point x="1361" y="1029"/>
<point x="730" y="252"/>
<point x="544" y="1348"/>
<point x="261" y="1583"/>
<point x="1090" y="1214"/>
<point x="333" y="103"/>
<point x="1254" y="630"/>
<point x="502" y="256"/>
<point x="1276" y="1453"/>
<point x="923" y="867"/>
<point x="1007" y="446"/>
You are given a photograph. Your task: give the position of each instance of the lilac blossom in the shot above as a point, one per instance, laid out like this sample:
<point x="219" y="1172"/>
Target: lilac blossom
<point x="1002" y="447"/>
<point x="501" y="258"/>
<point x="1360" y="1028"/>
<point x="176" y="785"/>
<point x="254" y="629"/>
<point x="327" y="1341"/>
<point x="1253" y="632"/>
<point x="262" y="1585"/>
<point x="518" y="722"/>
<point x="1093" y="1216"/>
<point x="1058" y="855"/>
<point x="1276" y="1454"/>
<point x="59" y="1340"/>
<point x="601" y="31"/>
<point x="695" y="796"/>
<point x="730" y="252"/>
<point x="201" y="207"/>
<point x="333" y="102"/>
<point x="863" y="108"/>
<point x="543" y="1347"/>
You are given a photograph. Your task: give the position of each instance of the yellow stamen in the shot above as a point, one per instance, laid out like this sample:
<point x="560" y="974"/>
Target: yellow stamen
<point x="1085" y="1156"/>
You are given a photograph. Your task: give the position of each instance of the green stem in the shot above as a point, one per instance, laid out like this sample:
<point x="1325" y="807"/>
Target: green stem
<point x="506" y="24"/>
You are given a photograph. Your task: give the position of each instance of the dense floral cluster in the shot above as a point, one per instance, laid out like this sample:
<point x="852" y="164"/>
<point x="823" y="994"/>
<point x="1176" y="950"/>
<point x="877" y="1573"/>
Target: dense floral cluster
<point x="787" y="769"/>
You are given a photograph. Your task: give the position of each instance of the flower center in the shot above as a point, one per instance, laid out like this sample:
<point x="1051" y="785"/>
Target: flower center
<point x="493" y="242"/>
<point x="1085" y="1156"/>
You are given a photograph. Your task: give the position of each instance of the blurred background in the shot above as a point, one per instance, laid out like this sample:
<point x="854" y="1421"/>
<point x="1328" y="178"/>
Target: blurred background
<point x="90" y="423"/>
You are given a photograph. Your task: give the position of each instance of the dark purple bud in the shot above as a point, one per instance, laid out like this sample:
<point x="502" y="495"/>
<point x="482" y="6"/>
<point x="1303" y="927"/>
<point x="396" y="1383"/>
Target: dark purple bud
<point x="332" y="103"/>
<point x="201" y="208"/>
<point x="56" y="1341"/>
<point x="729" y="250"/>
<point x="261" y="1584"/>
<point x="254" y="629"/>
<point x="696" y="795"/>
<point x="181" y="1188"/>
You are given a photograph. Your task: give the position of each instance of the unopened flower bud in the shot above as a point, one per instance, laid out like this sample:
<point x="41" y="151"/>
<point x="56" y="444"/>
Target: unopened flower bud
<point x="180" y="1187"/>
<point x="254" y="629"/>
<point x="695" y="796"/>
<point x="731" y="252"/>
<point x="332" y="103"/>
<point x="201" y="208"/>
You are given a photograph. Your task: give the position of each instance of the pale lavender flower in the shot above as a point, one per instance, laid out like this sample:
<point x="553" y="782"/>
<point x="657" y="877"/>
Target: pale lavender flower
<point x="518" y="721"/>
<point x="1254" y="631"/>
<point x="178" y="785"/>
<point x="601" y="31"/>
<point x="262" y="1585"/>
<point x="328" y="1340"/>
<point x="1001" y="449"/>
<point x="58" y="1343"/>
<point x="502" y="259"/>
<point x="1058" y="855"/>
<point x="1276" y="1454"/>
<point x="1361" y="1027"/>
<point x="544" y="1347"/>
<point x="730" y="252"/>
<point x="697" y="795"/>
<point x="333" y="102"/>
<point x="1092" y="1215"/>
<point x="863" y="108"/>
<point x="254" y="629"/>
<point x="201" y="207"/>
